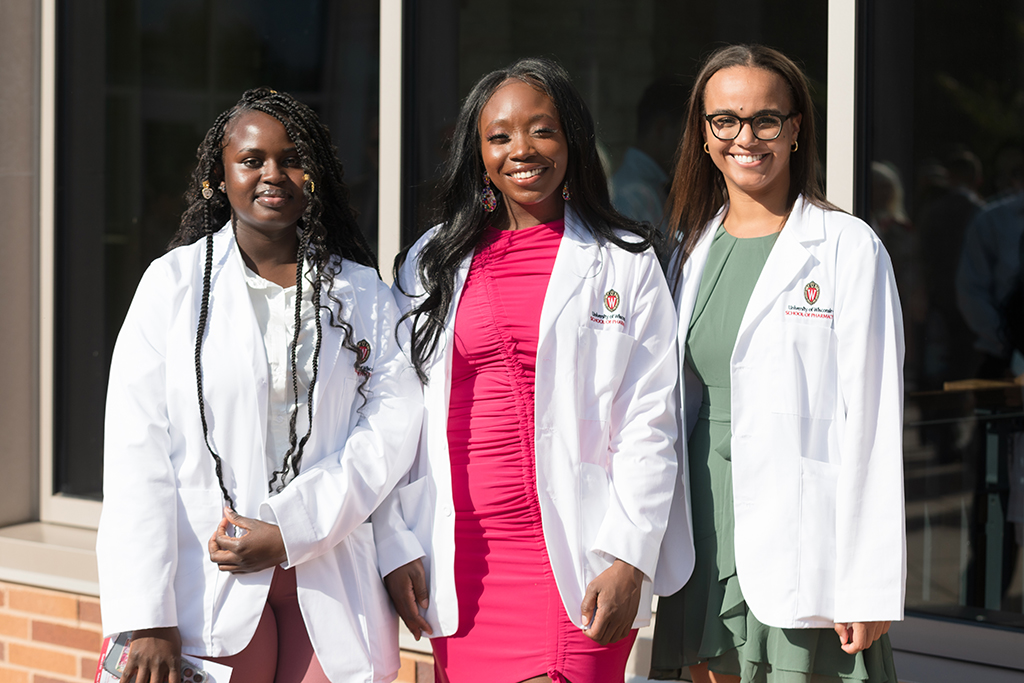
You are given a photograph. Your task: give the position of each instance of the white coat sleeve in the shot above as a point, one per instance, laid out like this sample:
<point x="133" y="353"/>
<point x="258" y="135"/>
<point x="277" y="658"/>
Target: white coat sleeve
<point x="871" y="554"/>
<point x="643" y="430"/>
<point x="397" y="545"/>
<point x="327" y="501"/>
<point x="136" y="546"/>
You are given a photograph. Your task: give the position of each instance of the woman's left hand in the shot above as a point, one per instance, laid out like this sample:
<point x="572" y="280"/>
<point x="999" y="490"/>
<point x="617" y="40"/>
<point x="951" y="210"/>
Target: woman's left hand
<point x="258" y="547"/>
<point x="860" y="635"/>
<point x="611" y="603"/>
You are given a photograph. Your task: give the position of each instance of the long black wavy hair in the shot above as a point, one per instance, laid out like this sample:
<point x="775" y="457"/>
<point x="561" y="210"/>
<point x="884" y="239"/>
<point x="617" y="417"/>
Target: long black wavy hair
<point x="328" y="233"/>
<point x="462" y="217"/>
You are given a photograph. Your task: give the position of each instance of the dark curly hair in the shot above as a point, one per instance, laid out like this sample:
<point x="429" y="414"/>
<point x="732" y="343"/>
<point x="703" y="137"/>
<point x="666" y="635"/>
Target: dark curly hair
<point x="328" y="233"/>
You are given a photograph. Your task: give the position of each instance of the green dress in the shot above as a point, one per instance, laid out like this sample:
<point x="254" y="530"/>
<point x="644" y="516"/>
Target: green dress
<point x="708" y="620"/>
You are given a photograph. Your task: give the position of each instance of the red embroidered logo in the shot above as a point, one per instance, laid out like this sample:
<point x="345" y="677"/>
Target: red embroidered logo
<point x="611" y="300"/>
<point x="364" y="350"/>
<point x="811" y="292"/>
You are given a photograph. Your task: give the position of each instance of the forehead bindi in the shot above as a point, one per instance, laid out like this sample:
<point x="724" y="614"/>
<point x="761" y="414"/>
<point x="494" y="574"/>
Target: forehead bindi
<point x="254" y="131"/>
<point x="515" y="103"/>
<point x="746" y="90"/>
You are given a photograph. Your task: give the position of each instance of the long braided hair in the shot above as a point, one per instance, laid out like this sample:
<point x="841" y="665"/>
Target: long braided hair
<point x="462" y="217"/>
<point x="328" y="233"/>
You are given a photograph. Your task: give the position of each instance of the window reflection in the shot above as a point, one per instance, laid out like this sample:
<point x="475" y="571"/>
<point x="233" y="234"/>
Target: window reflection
<point x="614" y="51"/>
<point x="945" y="196"/>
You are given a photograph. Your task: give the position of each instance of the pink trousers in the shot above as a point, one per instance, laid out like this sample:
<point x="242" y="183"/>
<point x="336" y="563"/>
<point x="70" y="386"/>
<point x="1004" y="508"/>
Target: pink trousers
<point x="280" y="651"/>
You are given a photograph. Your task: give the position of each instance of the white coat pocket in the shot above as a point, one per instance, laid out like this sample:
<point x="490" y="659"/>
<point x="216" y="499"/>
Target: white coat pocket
<point x="805" y="375"/>
<point x="199" y="513"/>
<point x="818" y="482"/>
<point x="601" y="361"/>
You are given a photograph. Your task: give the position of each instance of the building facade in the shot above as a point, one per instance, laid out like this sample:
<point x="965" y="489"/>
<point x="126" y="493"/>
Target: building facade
<point x="105" y="101"/>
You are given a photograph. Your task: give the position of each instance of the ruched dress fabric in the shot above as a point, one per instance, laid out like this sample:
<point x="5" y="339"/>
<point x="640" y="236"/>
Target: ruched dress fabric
<point x="513" y="625"/>
<point x="708" y="620"/>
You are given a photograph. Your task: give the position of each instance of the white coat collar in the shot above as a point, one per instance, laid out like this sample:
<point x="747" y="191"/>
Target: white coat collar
<point x="804" y="227"/>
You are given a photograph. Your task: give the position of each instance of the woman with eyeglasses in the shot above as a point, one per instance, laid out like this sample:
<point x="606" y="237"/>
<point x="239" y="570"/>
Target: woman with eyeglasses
<point x="791" y="355"/>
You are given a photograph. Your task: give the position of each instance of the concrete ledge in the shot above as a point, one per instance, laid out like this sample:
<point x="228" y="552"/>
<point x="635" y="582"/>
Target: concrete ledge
<point x="50" y="556"/>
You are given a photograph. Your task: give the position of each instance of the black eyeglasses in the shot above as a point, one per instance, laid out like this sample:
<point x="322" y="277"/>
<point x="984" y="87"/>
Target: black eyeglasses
<point x="764" y="126"/>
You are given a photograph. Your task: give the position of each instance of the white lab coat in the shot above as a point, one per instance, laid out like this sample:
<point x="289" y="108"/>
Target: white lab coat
<point x="817" y="424"/>
<point x="604" y="406"/>
<point x="161" y="498"/>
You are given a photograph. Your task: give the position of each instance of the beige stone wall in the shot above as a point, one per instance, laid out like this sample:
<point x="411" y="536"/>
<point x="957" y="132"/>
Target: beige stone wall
<point x="19" y="87"/>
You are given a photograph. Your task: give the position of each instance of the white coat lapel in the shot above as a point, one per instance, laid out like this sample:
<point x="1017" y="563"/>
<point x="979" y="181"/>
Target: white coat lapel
<point x="785" y="262"/>
<point x="578" y="259"/>
<point x="689" y="279"/>
<point x="232" y="325"/>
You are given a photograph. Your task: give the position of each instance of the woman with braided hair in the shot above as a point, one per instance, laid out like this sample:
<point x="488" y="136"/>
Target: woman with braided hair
<point x="258" y="411"/>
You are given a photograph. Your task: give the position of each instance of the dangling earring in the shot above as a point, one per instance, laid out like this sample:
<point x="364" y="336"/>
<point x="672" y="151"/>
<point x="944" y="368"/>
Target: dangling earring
<point x="565" y="191"/>
<point x="307" y="179"/>
<point x="795" y="147"/>
<point x="487" y="197"/>
<point x="706" y="150"/>
<point x="207" y="191"/>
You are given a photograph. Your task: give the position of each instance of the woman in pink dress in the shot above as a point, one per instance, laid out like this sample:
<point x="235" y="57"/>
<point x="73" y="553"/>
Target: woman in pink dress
<point x="526" y="537"/>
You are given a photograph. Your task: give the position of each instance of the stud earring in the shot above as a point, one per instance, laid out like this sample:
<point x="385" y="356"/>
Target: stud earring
<point x="207" y="191"/>
<point x="706" y="150"/>
<point x="487" y="197"/>
<point x="223" y="187"/>
<point x="565" y="191"/>
<point x="795" y="146"/>
<point x="307" y="179"/>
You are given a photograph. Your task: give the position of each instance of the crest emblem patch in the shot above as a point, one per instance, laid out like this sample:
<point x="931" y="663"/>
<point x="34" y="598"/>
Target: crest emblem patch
<point x="611" y="300"/>
<point x="364" y="350"/>
<point x="811" y="292"/>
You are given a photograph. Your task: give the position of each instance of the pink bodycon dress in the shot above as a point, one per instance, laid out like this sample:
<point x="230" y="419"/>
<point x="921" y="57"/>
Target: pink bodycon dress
<point x="512" y="622"/>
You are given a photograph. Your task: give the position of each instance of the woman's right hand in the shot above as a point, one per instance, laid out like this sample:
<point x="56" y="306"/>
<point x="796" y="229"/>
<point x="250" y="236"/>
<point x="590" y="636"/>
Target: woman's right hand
<point x="154" y="656"/>
<point x="860" y="635"/>
<point x="407" y="587"/>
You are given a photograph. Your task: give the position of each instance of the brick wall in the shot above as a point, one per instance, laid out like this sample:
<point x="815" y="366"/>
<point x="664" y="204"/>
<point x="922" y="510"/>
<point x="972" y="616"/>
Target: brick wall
<point x="52" y="637"/>
<point x="47" y="636"/>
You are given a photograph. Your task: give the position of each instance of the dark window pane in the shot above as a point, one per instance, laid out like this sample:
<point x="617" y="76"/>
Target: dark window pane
<point x="140" y="82"/>
<point x="613" y="50"/>
<point x="943" y="191"/>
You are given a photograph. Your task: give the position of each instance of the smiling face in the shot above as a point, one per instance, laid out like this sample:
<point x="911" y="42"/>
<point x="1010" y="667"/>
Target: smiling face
<point x="755" y="168"/>
<point x="525" y="152"/>
<point x="262" y="176"/>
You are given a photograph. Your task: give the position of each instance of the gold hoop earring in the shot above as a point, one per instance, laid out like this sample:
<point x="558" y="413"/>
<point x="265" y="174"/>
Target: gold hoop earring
<point x="795" y="146"/>
<point x="706" y="150"/>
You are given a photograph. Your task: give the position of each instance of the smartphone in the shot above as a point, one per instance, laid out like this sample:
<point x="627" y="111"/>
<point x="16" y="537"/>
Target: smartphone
<point x="117" y="656"/>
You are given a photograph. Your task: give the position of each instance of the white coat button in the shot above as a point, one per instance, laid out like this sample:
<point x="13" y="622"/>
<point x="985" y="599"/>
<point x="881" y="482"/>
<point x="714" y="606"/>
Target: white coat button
<point x="447" y="511"/>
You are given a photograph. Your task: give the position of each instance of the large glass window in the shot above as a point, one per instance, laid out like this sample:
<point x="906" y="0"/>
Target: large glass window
<point x="140" y="82"/>
<point x="616" y="52"/>
<point x="944" y="192"/>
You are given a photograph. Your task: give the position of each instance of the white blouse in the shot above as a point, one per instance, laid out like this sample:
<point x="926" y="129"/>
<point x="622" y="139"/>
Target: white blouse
<point x="274" y="307"/>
